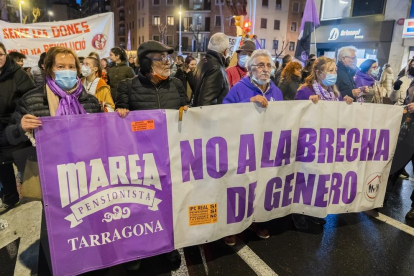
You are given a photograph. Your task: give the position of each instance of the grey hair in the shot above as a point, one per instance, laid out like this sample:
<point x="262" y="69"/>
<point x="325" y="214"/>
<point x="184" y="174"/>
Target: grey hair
<point x="258" y="53"/>
<point x="345" y="51"/>
<point x="219" y="42"/>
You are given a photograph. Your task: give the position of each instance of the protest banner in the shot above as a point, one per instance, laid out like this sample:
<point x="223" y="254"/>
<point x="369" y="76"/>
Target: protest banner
<point x="90" y="34"/>
<point x="234" y="44"/>
<point x="120" y="189"/>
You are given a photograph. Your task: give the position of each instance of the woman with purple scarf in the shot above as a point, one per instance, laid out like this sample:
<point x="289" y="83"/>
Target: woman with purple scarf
<point x="320" y="85"/>
<point x="365" y="79"/>
<point x="62" y="94"/>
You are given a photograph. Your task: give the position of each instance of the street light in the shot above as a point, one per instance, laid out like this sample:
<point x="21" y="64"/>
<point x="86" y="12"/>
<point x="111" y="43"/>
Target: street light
<point x="20" y="7"/>
<point x="179" y="34"/>
<point x="50" y="13"/>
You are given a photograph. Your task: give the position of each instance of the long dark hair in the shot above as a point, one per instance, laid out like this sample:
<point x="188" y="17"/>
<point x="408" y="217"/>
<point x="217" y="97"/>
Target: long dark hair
<point x="119" y="52"/>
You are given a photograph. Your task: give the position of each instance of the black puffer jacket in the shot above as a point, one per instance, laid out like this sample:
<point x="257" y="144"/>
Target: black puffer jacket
<point x="14" y="83"/>
<point x="35" y="103"/>
<point x="210" y="80"/>
<point x="345" y="82"/>
<point x="144" y="95"/>
<point x="289" y="88"/>
<point x="117" y="73"/>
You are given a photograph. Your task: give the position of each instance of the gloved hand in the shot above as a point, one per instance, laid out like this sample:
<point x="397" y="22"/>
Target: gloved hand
<point x="397" y="84"/>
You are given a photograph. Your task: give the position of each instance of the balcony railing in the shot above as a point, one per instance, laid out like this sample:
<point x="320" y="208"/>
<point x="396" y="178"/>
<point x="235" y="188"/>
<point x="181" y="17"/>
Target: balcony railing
<point x="195" y="29"/>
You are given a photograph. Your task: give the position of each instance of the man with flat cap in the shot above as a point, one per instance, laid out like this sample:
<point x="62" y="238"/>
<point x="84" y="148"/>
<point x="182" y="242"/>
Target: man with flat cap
<point x="236" y="73"/>
<point x="152" y="88"/>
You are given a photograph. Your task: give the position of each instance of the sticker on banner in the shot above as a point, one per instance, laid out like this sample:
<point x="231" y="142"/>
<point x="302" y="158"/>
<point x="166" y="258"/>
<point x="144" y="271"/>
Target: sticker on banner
<point x="372" y="186"/>
<point x="143" y="125"/>
<point x="202" y="214"/>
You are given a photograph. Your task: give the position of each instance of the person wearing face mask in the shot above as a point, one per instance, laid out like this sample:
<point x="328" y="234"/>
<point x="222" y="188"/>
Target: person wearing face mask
<point x="14" y="83"/>
<point x="319" y="85"/>
<point x="210" y="79"/>
<point x="236" y="73"/>
<point x="366" y="77"/>
<point x="95" y="85"/>
<point x="290" y="80"/>
<point x="152" y="88"/>
<point x="402" y="84"/>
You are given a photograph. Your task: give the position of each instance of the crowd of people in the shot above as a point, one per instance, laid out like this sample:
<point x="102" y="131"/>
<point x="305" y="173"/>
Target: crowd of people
<point x="65" y="84"/>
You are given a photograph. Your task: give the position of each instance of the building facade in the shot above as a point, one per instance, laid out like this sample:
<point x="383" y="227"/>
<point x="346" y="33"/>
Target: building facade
<point x="91" y="7"/>
<point x="143" y="20"/>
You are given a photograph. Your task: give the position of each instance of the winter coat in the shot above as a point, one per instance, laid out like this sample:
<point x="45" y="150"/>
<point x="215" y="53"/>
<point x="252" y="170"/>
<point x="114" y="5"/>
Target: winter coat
<point x="187" y="79"/>
<point x="35" y="103"/>
<point x="210" y="80"/>
<point x="387" y="80"/>
<point x="38" y="76"/>
<point x="117" y="73"/>
<point x="289" y="88"/>
<point x="242" y="91"/>
<point x="14" y="83"/>
<point x="235" y="74"/>
<point x="399" y="95"/>
<point x="103" y="94"/>
<point x="144" y="95"/>
<point x="345" y="82"/>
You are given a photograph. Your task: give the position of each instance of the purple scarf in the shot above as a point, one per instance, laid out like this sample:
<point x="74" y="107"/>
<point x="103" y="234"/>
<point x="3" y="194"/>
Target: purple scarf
<point x="363" y="79"/>
<point x="69" y="103"/>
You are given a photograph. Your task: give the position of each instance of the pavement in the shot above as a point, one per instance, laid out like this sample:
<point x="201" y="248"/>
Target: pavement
<point x="366" y="243"/>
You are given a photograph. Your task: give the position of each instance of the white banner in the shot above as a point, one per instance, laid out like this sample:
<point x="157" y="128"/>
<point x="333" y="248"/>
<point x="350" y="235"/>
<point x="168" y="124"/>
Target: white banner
<point x="234" y="42"/>
<point x="85" y="35"/>
<point x="236" y="164"/>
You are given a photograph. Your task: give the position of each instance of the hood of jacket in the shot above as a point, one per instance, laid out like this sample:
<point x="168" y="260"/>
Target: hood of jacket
<point x="389" y="70"/>
<point x="9" y="68"/>
<point x="219" y="57"/>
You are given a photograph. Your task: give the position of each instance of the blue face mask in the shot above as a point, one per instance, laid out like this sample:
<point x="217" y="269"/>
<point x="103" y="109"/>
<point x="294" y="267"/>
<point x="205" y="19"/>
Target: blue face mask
<point x="242" y="60"/>
<point x="66" y="79"/>
<point x="330" y="79"/>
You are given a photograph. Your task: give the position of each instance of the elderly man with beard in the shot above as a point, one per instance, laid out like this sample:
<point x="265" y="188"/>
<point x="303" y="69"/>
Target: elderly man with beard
<point x="152" y="88"/>
<point x="255" y="87"/>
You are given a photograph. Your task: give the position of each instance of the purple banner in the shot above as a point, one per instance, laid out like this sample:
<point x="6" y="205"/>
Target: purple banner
<point x="106" y="184"/>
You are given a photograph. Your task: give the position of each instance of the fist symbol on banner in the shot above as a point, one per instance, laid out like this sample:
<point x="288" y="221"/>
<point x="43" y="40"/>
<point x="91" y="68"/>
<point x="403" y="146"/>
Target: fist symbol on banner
<point x="99" y="41"/>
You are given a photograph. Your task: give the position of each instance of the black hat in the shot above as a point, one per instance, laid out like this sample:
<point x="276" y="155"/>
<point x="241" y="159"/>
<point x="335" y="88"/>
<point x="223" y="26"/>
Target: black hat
<point x="247" y="45"/>
<point x="152" y="46"/>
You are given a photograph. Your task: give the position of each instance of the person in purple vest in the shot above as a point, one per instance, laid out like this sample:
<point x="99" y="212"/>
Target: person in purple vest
<point x="320" y="85"/>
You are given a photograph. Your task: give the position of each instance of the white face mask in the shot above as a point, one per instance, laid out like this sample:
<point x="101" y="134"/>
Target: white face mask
<point x="86" y="71"/>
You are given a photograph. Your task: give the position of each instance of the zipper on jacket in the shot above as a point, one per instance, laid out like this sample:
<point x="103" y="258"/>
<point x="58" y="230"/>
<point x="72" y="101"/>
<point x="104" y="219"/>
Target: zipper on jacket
<point x="158" y="95"/>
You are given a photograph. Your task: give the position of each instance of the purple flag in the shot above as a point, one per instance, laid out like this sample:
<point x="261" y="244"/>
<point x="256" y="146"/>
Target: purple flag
<point x="310" y="22"/>
<point x="258" y="46"/>
<point x="107" y="191"/>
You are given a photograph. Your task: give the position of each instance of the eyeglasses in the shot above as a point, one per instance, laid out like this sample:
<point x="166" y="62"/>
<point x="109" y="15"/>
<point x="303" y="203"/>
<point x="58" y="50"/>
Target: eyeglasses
<point x="262" y="65"/>
<point x="351" y="58"/>
<point x="164" y="59"/>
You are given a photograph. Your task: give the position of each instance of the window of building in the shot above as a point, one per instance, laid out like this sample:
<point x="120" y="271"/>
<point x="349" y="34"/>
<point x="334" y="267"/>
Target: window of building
<point x="334" y="9"/>
<point x="278" y="4"/>
<point x="133" y="42"/>
<point x="155" y="2"/>
<point x="170" y="2"/>
<point x="276" y="25"/>
<point x="143" y="40"/>
<point x="156" y="20"/>
<point x="296" y="7"/>
<point x="263" y="23"/>
<point x="218" y="2"/>
<point x="232" y="22"/>
<point x="275" y="45"/>
<point x="139" y="5"/>
<point x="217" y="21"/>
<point x="293" y="26"/>
<point x="170" y="40"/>
<point x="368" y="7"/>
<point x="139" y="23"/>
<point x="139" y="40"/>
<point x="170" y="20"/>
<point x="142" y="6"/>
<point x="142" y="24"/>
<point x="291" y="46"/>
<point x="265" y="3"/>
<point x="263" y="43"/>
<point x="156" y="37"/>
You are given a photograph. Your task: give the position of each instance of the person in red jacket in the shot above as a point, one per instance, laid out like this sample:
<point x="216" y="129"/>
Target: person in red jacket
<point x="236" y="73"/>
